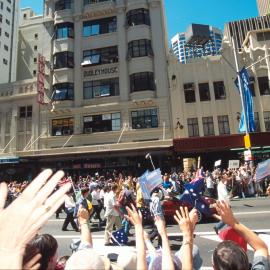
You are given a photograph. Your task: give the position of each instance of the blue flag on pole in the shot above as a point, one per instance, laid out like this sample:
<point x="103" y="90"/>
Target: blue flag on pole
<point x="248" y="103"/>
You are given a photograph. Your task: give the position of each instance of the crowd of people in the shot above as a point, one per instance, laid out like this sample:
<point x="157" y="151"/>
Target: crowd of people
<point x="116" y="202"/>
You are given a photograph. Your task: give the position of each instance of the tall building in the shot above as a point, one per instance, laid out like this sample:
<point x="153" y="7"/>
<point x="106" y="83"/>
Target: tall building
<point x="9" y="17"/>
<point x="108" y="86"/>
<point x="239" y="29"/>
<point x="263" y="7"/>
<point x="185" y="52"/>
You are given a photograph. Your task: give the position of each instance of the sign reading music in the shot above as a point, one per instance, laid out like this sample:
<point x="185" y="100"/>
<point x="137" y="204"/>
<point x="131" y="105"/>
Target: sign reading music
<point x="100" y="71"/>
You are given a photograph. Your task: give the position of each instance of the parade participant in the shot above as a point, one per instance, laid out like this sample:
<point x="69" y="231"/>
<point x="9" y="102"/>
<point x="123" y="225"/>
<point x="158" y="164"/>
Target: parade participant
<point x="112" y="214"/>
<point x="223" y="195"/>
<point x="97" y="206"/>
<point x="69" y="209"/>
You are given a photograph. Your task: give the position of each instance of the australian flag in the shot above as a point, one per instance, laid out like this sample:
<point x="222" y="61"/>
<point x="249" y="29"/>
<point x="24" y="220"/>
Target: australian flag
<point x="247" y="102"/>
<point x="193" y="194"/>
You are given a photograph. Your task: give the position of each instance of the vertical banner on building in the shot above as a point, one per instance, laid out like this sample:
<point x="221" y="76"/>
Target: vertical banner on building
<point x="41" y="79"/>
<point x="248" y="103"/>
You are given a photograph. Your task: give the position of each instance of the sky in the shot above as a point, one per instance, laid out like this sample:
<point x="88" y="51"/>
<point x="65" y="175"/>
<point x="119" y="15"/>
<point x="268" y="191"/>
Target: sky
<point x="180" y="13"/>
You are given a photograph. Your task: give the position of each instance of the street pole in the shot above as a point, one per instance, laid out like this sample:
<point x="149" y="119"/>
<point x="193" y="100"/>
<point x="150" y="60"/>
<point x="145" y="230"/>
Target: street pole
<point x="240" y="83"/>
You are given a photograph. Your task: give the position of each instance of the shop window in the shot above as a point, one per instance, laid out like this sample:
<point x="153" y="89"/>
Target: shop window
<point x="101" y="88"/>
<point x="204" y="92"/>
<point x="63" y="91"/>
<point x="140" y="48"/>
<point x="144" y="118"/>
<point x="138" y="16"/>
<point x="208" y="126"/>
<point x="189" y="91"/>
<point x="142" y="81"/>
<point x="89" y="2"/>
<point x="257" y="122"/>
<point x="25" y="112"/>
<point x="64" y="30"/>
<point x="264" y="85"/>
<point x="102" y="123"/>
<point x="223" y="124"/>
<point x="100" y="56"/>
<point x="63" y="4"/>
<point x="63" y="60"/>
<point x="219" y="89"/>
<point x="267" y="120"/>
<point x="193" y="127"/>
<point x="62" y="127"/>
<point x="99" y="27"/>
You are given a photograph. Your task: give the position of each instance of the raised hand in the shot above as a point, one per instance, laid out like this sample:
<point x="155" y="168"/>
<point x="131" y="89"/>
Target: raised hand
<point x="83" y="215"/>
<point x="134" y="216"/>
<point x="183" y="220"/>
<point x="22" y="219"/>
<point x="161" y="225"/>
<point x="225" y="212"/>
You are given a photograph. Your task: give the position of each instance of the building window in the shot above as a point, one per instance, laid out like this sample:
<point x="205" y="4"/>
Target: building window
<point x="63" y="4"/>
<point x="1" y="18"/>
<point x="5" y="61"/>
<point x="62" y="127"/>
<point x="101" y="88"/>
<point x="99" y="27"/>
<point x="8" y="9"/>
<point x="252" y="86"/>
<point x="88" y="2"/>
<point x="257" y="122"/>
<point x="100" y="56"/>
<point x="63" y="60"/>
<point x="267" y="120"/>
<point x="219" y="89"/>
<point x="144" y="119"/>
<point x="102" y="123"/>
<point x="223" y="124"/>
<point x="139" y="48"/>
<point x="25" y="112"/>
<point x="142" y="81"/>
<point x="35" y="59"/>
<point x="35" y="48"/>
<point x="24" y="15"/>
<point x="264" y="85"/>
<point x="193" y="127"/>
<point x="189" y="90"/>
<point x="6" y="47"/>
<point x="7" y="34"/>
<point x="208" y="126"/>
<point x="7" y="22"/>
<point x="34" y="73"/>
<point x="263" y="36"/>
<point x="1" y="5"/>
<point x="36" y="36"/>
<point x="138" y="16"/>
<point x="64" y="30"/>
<point x="63" y="91"/>
<point x="204" y="92"/>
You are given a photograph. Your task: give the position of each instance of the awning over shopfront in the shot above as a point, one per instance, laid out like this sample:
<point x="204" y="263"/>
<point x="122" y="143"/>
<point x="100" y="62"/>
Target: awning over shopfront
<point x="219" y="143"/>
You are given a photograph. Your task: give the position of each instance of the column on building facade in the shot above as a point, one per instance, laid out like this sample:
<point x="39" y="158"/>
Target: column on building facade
<point x="122" y="52"/>
<point x="36" y="128"/>
<point x="257" y="100"/>
<point x="158" y="43"/>
<point x="2" y="130"/>
<point x="78" y="86"/>
<point x="13" y="129"/>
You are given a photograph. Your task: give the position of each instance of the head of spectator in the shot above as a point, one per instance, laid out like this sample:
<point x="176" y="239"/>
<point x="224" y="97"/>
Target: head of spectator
<point x="166" y="177"/>
<point x="127" y="260"/>
<point x="156" y="263"/>
<point x="114" y="188"/>
<point x="230" y="256"/>
<point x="61" y="263"/>
<point x="86" y="259"/>
<point x="47" y="246"/>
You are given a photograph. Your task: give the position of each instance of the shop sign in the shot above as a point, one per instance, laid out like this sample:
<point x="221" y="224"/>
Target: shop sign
<point x="92" y="165"/>
<point x="9" y="160"/>
<point x="234" y="164"/>
<point x="100" y="71"/>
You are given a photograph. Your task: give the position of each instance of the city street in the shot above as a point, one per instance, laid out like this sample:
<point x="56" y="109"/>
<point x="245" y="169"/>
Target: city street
<point x="254" y="213"/>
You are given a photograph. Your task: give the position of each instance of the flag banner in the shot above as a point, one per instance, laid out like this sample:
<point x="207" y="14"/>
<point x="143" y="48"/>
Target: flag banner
<point x="218" y="163"/>
<point x="263" y="170"/>
<point x="247" y="101"/>
<point x="199" y="175"/>
<point x="149" y="181"/>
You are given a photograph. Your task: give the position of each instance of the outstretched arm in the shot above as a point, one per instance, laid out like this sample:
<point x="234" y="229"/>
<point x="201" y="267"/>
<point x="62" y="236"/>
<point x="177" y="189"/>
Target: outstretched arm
<point x="167" y="260"/>
<point x="136" y="219"/>
<point x="83" y="217"/>
<point x="252" y="239"/>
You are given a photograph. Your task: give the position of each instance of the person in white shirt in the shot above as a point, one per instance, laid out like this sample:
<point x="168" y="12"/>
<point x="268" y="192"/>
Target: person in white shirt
<point x="112" y="215"/>
<point x="95" y="194"/>
<point x="69" y="209"/>
<point x="223" y="195"/>
<point x="210" y="185"/>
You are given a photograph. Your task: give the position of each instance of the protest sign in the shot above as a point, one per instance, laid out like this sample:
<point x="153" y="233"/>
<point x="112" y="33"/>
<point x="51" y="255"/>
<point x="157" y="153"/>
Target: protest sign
<point x="149" y="181"/>
<point x="218" y="163"/>
<point x="263" y="170"/>
<point x="234" y="164"/>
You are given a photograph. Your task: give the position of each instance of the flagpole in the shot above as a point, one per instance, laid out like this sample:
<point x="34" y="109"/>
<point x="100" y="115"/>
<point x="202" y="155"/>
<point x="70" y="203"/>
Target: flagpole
<point x="240" y="84"/>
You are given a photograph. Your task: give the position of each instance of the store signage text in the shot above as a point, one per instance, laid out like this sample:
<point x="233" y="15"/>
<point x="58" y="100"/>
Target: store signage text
<point x="100" y="71"/>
